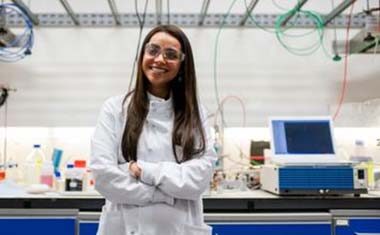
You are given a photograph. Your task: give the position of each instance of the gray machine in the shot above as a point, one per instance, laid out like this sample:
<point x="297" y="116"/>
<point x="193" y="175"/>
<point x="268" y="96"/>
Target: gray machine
<point x="314" y="179"/>
<point x="303" y="160"/>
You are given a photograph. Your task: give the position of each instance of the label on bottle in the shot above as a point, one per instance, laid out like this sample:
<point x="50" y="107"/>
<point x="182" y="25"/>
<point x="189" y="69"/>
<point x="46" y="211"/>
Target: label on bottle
<point x="74" y="185"/>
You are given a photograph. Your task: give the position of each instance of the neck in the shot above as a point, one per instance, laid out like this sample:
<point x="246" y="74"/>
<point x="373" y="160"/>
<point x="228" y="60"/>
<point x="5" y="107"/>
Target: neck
<point x="160" y="92"/>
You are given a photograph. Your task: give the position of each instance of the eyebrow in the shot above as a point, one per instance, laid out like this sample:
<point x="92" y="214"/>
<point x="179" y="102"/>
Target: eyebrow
<point x="170" y="47"/>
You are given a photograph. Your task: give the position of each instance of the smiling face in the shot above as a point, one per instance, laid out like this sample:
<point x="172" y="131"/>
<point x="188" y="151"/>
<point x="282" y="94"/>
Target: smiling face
<point x="158" y="64"/>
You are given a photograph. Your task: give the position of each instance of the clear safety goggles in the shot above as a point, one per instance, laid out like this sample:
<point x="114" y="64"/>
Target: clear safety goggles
<point x="169" y="54"/>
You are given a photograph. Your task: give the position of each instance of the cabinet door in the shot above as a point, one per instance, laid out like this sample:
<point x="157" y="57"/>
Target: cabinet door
<point x="357" y="226"/>
<point x="88" y="227"/>
<point x="37" y="226"/>
<point x="272" y="228"/>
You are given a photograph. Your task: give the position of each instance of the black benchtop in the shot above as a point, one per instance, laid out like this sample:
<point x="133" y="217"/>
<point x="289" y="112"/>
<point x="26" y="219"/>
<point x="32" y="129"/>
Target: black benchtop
<point x="247" y="202"/>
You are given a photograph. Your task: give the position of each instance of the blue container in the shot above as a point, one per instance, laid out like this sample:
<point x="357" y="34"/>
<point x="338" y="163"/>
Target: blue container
<point x="56" y="158"/>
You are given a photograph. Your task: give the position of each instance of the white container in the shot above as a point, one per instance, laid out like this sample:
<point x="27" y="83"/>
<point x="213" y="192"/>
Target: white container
<point x="74" y="178"/>
<point x="13" y="172"/>
<point x="33" y="165"/>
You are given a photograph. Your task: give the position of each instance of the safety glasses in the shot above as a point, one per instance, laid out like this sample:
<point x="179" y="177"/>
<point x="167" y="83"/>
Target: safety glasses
<point x="169" y="54"/>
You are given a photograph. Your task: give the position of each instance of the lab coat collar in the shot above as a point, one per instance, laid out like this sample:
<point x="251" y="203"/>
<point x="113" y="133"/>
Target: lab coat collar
<point x="158" y="105"/>
<point x="152" y="97"/>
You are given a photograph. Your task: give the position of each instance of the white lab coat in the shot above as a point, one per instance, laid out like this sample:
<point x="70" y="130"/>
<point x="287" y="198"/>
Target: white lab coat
<point x="166" y="200"/>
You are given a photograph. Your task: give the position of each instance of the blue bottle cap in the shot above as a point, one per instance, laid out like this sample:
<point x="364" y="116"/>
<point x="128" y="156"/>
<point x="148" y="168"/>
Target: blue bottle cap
<point x="57" y="174"/>
<point x="36" y="146"/>
<point x="70" y="166"/>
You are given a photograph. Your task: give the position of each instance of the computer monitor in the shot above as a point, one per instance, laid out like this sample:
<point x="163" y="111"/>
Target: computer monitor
<point x="296" y="140"/>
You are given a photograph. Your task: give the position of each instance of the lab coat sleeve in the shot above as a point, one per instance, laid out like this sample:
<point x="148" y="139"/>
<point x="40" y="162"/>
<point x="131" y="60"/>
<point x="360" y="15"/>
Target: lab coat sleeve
<point x="187" y="180"/>
<point x="113" y="180"/>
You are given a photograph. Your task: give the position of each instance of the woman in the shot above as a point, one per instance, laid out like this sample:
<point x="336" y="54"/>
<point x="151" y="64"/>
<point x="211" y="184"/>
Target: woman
<point x="152" y="155"/>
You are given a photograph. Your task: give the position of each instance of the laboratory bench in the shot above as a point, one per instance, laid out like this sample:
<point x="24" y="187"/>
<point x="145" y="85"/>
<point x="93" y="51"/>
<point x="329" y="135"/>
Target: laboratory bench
<point x="230" y="202"/>
<point x="229" y="213"/>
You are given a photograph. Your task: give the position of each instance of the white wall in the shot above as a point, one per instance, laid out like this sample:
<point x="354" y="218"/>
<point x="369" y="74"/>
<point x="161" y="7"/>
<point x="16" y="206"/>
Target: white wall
<point x="72" y="70"/>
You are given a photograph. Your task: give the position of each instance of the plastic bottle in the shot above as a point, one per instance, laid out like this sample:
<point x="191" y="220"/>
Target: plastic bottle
<point x="80" y="168"/>
<point x="56" y="158"/>
<point x="362" y="156"/>
<point x="47" y="173"/>
<point x="59" y="183"/>
<point x="74" y="179"/>
<point x="33" y="165"/>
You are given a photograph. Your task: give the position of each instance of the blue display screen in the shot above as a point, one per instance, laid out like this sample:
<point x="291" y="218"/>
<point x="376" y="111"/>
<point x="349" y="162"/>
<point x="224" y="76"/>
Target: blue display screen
<point x="302" y="137"/>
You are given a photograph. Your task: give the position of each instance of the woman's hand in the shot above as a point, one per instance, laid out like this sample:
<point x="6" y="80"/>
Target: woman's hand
<point x="134" y="169"/>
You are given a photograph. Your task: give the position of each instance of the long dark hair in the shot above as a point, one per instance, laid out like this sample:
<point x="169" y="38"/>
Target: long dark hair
<point x="187" y="129"/>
